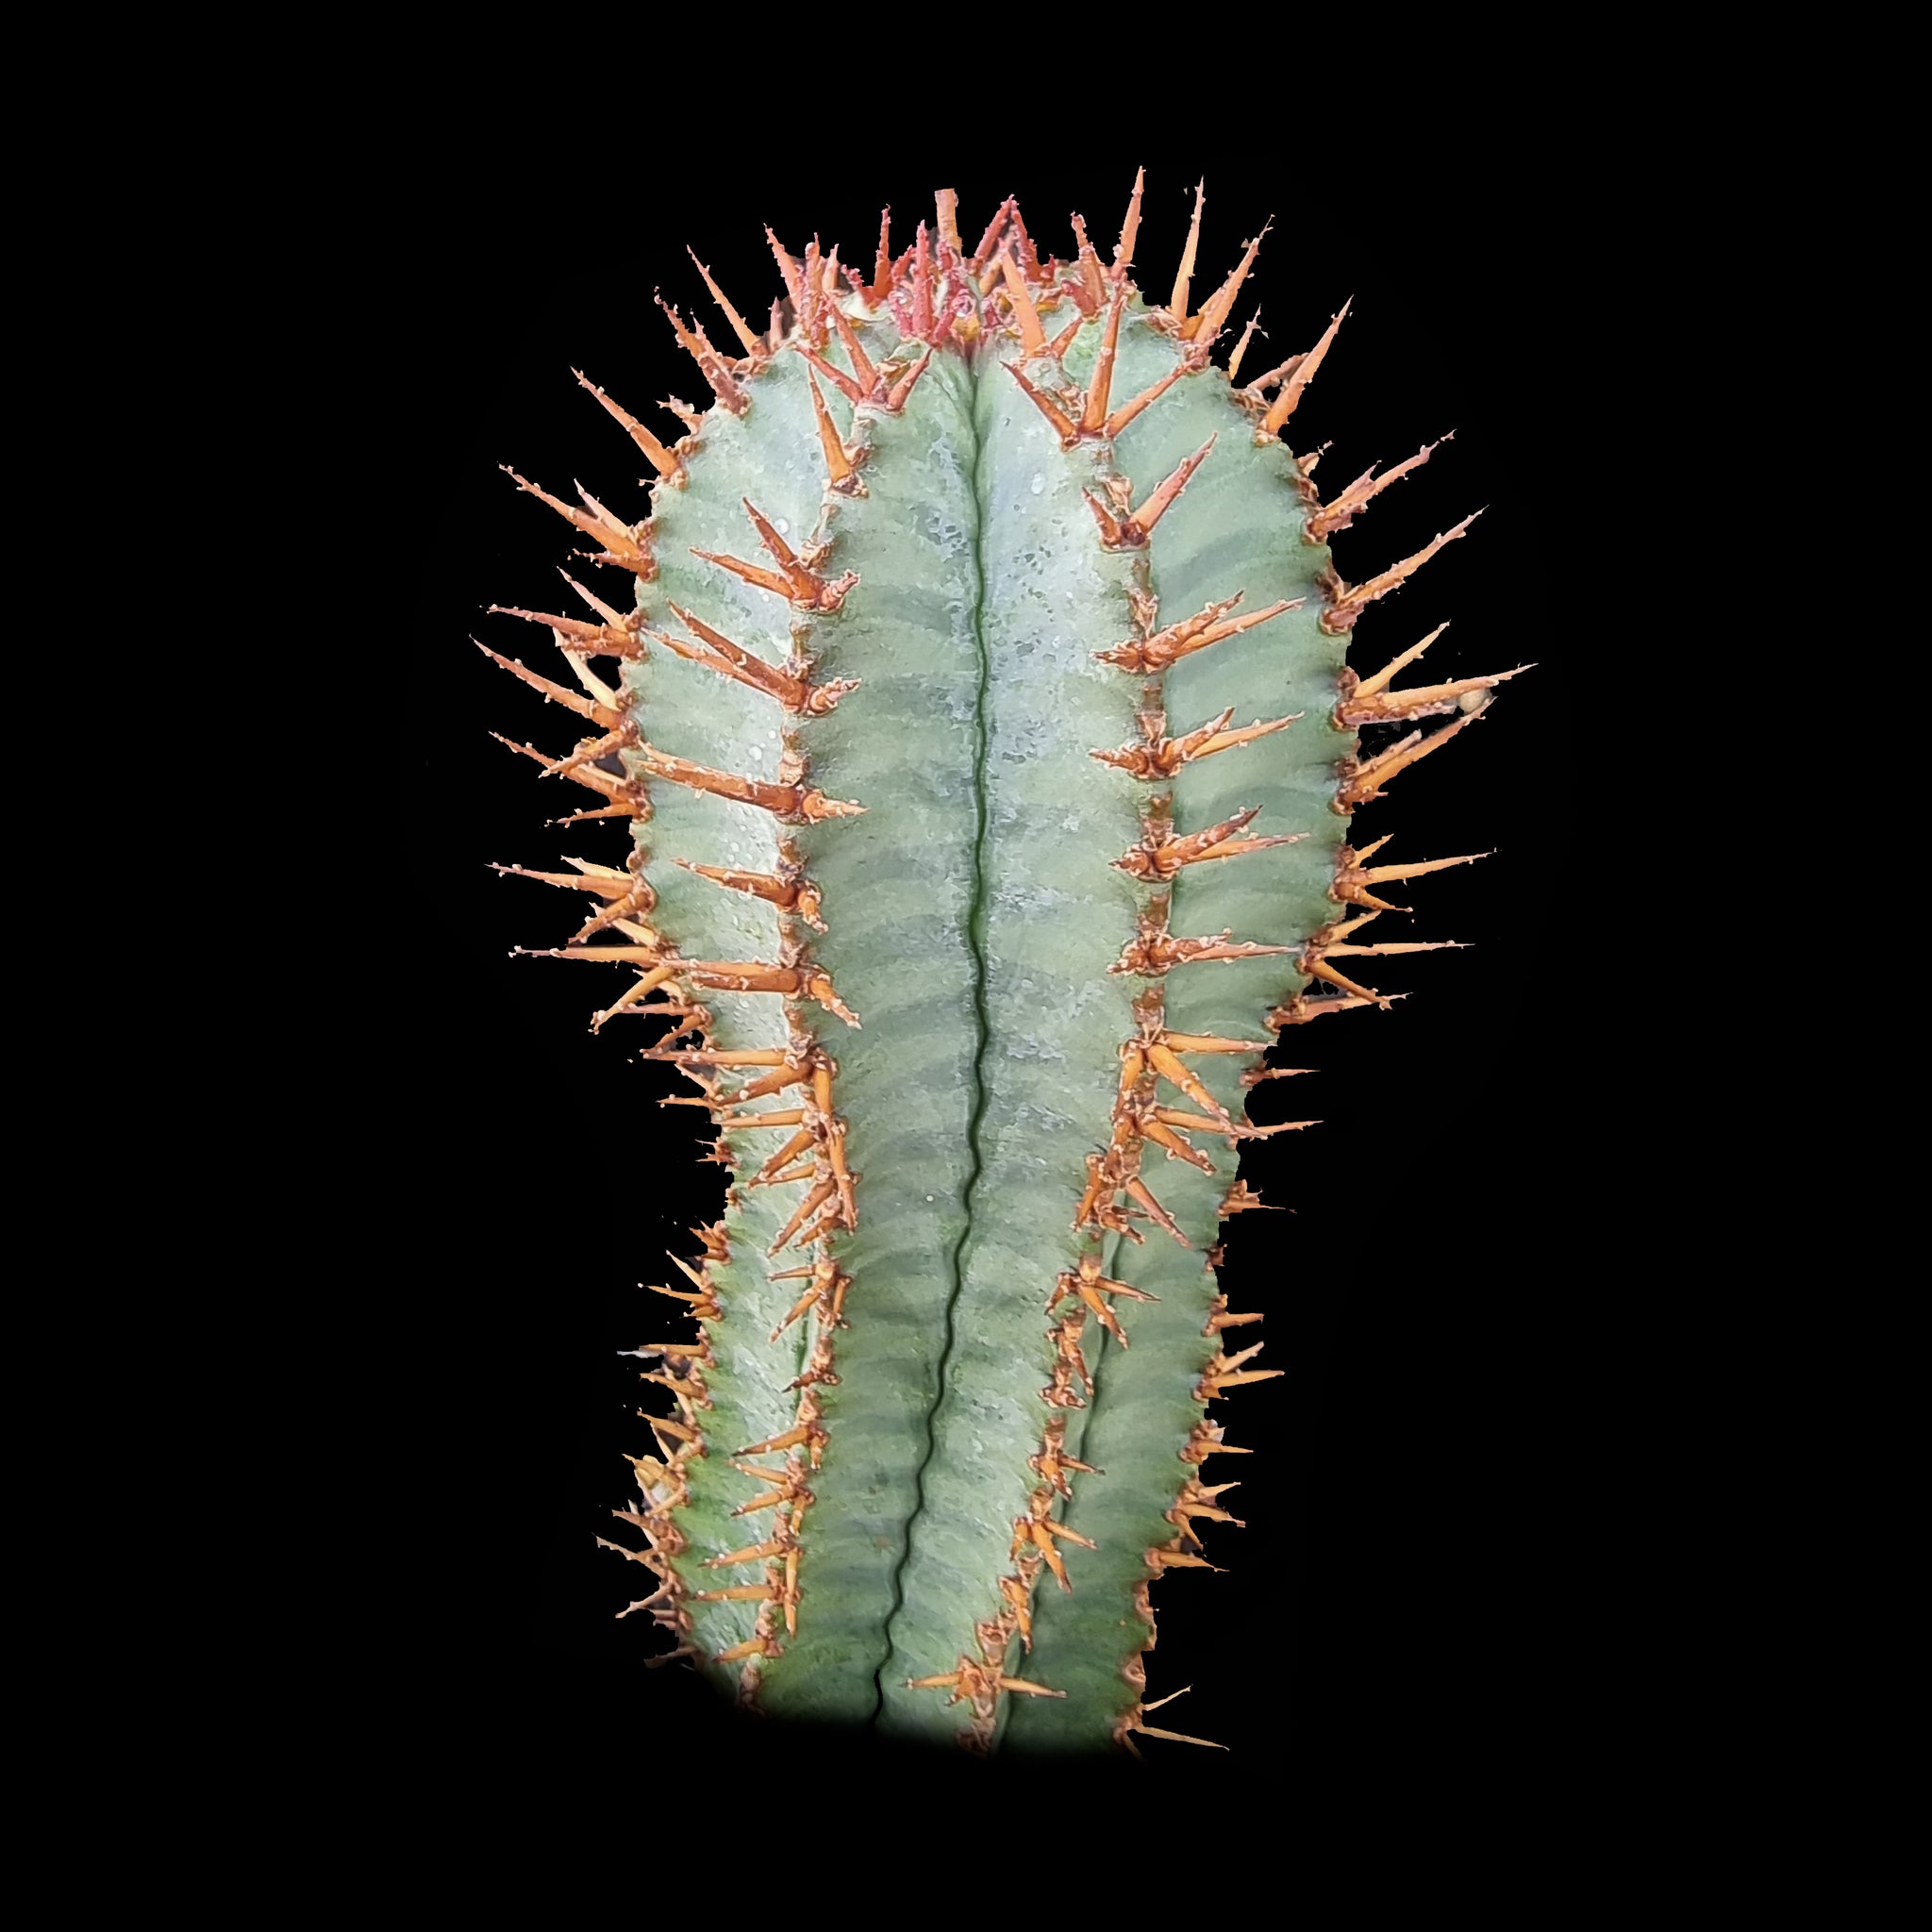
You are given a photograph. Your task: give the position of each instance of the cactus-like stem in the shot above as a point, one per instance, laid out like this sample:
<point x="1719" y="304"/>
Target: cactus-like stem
<point x="968" y="897"/>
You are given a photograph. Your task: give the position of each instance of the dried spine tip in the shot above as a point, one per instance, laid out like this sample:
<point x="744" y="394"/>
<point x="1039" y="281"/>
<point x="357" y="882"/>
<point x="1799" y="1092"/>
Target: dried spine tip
<point x="1130" y="225"/>
<point x="1417" y="701"/>
<point x="578" y="639"/>
<point x="1340" y="513"/>
<point x="661" y="460"/>
<point x="1164" y="756"/>
<point x="1159" y="859"/>
<point x="1032" y="337"/>
<point x="724" y="386"/>
<point x="1289" y="394"/>
<point x="1204" y="328"/>
<point x="731" y="660"/>
<point x="1132" y="532"/>
<point x="1241" y="348"/>
<point x="622" y="546"/>
<point x="1195" y="633"/>
<point x="1347" y="605"/>
<point x="740" y="327"/>
<point x="1177" y="302"/>
<point x="793" y="803"/>
<point x="1063" y="425"/>
<point x="1364" y="782"/>
<point x="1352" y="878"/>
<point x="609" y="716"/>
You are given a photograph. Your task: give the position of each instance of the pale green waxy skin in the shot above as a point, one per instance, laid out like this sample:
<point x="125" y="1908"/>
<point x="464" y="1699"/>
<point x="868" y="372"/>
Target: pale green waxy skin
<point x="973" y="914"/>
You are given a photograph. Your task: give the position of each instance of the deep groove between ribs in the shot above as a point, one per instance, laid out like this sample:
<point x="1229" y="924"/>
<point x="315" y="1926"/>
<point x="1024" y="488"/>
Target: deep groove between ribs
<point x="975" y="923"/>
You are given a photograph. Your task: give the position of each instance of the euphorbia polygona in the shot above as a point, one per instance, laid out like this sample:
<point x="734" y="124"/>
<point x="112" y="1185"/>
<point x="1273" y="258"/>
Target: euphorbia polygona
<point x="980" y="714"/>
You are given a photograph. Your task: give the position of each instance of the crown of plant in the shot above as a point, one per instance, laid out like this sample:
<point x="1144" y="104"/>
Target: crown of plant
<point x="980" y="714"/>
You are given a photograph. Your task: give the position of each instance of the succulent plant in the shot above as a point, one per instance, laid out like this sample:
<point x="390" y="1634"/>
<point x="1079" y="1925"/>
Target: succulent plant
<point x="976" y="694"/>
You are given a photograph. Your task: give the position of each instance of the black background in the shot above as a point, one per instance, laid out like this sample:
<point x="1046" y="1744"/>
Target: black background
<point x="1404" y="1590"/>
